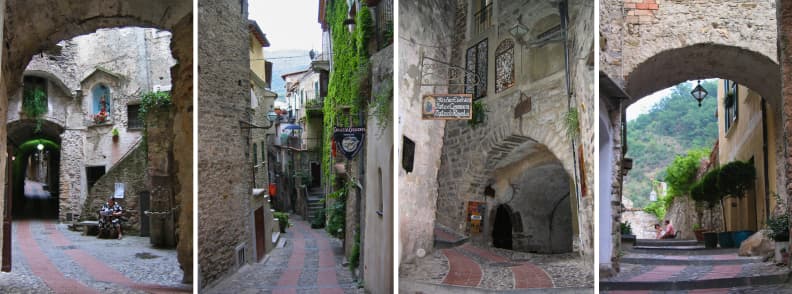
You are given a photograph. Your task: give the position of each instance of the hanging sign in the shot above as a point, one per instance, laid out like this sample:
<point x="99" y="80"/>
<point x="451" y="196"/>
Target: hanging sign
<point x="119" y="190"/>
<point x="447" y="106"/>
<point x="349" y="140"/>
<point x="475" y="217"/>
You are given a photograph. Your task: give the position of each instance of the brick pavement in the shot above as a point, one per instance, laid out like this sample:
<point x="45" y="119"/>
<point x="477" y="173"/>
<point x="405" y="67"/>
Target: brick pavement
<point x="310" y="262"/>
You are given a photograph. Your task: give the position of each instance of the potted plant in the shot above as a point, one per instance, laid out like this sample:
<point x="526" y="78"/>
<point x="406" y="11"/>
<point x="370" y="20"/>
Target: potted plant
<point x="283" y="220"/>
<point x="778" y="230"/>
<point x="115" y="135"/>
<point x="479" y="114"/>
<point x="699" y="232"/>
<point x="626" y="231"/>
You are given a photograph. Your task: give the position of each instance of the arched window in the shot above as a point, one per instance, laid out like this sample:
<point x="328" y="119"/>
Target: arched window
<point x="101" y="99"/>
<point x="504" y="65"/>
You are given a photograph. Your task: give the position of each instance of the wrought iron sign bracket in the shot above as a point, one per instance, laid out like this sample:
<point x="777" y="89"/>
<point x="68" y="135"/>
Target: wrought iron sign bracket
<point x="436" y="70"/>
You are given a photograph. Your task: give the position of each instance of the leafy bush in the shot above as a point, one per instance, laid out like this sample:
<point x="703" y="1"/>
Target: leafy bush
<point x="282" y="217"/>
<point x="34" y="105"/>
<point x="319" y="219"/>
<point x="626" y="228"/>
<point x="736" y="177"/>
<point x="779" y="227"/>
<point x="658" y="208"/>
<point x="354" y="259"/>
<point x="681" y="173"/>
<point x="336" y="214"/>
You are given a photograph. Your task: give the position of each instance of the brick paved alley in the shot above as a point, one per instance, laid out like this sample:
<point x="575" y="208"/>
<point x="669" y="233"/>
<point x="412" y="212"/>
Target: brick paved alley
<point x="48" y="258"/>
<point x="309" y="262"/>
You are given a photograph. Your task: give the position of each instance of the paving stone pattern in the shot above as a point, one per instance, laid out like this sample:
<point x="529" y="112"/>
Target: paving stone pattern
<point x="498" y="269"/>
<point x="310" y="262"/>
<point x="48" y="258"/>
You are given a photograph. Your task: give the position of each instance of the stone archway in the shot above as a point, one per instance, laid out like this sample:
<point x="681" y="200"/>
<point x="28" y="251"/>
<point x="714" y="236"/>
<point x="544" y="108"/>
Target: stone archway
<point x="38" y="199"/>
<point x="29" y="30"/>
<point x="503" y="227"/>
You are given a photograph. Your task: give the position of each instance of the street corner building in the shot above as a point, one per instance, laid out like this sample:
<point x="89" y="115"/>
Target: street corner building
<point x="512" y="181"/>
<point x="277" y="189"/>
<point x="80" y="90"/>
<point x="647" y="46"/>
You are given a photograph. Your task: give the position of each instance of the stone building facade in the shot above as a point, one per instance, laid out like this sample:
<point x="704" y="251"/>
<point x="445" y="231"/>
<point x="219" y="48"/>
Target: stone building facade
<point x="226" y="185"/>
<point x="523" y="137"/>
<point x="126" y="62"/>
<point x="647" y="46"/>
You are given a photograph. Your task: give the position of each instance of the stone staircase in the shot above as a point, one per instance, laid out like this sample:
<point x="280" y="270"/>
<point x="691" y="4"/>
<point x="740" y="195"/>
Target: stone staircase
<point x="447" y="238"/>
<point x="685" y="266"/>
<point x="315" y="203"/>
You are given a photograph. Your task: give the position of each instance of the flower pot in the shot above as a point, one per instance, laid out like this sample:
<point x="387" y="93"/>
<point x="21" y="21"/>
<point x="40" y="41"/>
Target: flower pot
<point x="740" y="236"/>
<point x="781" y="251"/>
<point x="725" y="240"/>
<point x="115" y="139"/>
<point x="710" y="239"/>
<point x="699" y="234"/>
<point x="282" y="225"/>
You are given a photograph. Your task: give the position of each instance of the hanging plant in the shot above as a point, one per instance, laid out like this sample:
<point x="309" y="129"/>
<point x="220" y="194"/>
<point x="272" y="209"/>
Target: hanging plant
<point x="381" y="106"/>
<point x="34" y="105"/>
<point x="572" y="121"/>
<point x="728" y="100"/>
<point x="479" y="114"/>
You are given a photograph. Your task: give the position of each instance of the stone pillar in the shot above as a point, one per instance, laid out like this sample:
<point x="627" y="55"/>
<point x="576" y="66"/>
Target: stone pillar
<point x="159" y="141"/>
<point x="71" y="174"/>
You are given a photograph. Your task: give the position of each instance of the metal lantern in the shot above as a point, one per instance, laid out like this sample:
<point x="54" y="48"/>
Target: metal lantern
<point x="272" y="116"/>
<point x="699" y="93"/>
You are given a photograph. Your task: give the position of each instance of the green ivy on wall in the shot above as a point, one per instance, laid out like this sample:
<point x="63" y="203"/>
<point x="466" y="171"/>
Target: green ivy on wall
<point x="350" y="58"/>
<point x="34" y="105"/>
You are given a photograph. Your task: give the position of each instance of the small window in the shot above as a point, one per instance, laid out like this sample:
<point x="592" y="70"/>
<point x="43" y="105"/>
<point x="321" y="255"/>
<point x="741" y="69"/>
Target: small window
<point x="730" y="103"/>
<point x="93" y="174"/>
<point x="255" y="154"/>
<point x="381" y="210"/>
<point x="263" y="152"/>
<point x="408" y="154"/>
<point x="134" y="121"/>
<point x="482" y="16"/>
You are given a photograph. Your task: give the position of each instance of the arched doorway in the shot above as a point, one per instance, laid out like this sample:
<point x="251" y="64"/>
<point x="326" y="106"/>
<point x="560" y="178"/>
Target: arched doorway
<point x="502" y="228"/>
<point x="35" y="169"/>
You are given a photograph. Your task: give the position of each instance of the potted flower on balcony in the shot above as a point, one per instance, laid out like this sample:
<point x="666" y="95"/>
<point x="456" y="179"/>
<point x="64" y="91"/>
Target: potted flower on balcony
<point x="115" y="135"/>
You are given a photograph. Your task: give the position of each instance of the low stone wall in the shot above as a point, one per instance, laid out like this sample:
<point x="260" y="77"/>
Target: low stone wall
<point x="131" y="170"/>
<point x="683" y="214"/>
<point x="641" y="222"/>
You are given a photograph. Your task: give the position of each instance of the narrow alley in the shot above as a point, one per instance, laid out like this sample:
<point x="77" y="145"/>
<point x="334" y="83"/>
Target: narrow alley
<point x="305" y="260"/>
<point x="49" y="258"/>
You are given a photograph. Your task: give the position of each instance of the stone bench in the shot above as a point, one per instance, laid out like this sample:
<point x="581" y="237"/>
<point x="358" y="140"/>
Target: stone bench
<point x="90" y="228"/>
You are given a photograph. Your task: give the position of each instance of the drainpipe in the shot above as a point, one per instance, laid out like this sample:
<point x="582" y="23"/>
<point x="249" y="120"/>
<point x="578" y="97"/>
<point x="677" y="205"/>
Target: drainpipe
<point x="563" y="8"/>
<point x="765" y="154"/>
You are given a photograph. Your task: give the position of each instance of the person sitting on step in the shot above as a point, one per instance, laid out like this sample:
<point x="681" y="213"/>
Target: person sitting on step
<point x="669" y="231"/>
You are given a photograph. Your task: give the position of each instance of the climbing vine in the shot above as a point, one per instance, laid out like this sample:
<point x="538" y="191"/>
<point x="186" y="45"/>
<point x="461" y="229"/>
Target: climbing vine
<point x="350" y="65"/>
<point x="381" y="106"/>
<point x="34" y="105"/>
<point x="153" y="100"/>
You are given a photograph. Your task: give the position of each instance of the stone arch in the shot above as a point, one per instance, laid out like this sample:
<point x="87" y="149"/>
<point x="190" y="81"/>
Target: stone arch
<point x="708" y="60"/>
<point x="29" y="31"/>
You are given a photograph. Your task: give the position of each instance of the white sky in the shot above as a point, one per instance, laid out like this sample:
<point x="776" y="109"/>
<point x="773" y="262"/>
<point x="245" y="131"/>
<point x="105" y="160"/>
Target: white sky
<point x="645" y="104"/>
<point x="288" y="24"/>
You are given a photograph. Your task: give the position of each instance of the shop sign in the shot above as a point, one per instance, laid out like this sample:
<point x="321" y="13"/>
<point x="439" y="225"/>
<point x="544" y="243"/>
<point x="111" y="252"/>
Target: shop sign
<point x="349" y="140"/>
<point x="447" y="106"/>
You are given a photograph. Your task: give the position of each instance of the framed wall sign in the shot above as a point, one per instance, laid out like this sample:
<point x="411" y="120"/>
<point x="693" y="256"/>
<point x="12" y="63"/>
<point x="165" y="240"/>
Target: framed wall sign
<point x="447" y="106"/>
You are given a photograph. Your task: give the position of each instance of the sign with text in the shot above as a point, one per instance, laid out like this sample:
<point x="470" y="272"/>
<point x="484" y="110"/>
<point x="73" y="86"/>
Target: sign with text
<point x="119" y="190"/>
<point x="475" y="216"/>
<point x="349" y="140"/>
<point x="447" y="106"/>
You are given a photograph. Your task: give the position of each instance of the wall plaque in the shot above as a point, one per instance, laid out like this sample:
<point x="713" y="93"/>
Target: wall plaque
<point x="349" y="140"/>
<point x="447" y="106"/>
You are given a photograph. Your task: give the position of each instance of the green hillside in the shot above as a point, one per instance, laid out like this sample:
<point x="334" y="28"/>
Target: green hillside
<point x="672" y="127"/>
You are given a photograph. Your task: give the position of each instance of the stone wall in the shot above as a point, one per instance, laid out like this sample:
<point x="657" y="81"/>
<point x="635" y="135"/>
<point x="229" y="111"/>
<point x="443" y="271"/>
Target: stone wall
<point x="224" y="70"/>
<point x="159" y="169"/>
<point x="418" y="189"/>
<point x="131" y="171"/>
<point x="683" y="214"/>
<point x="377" y="231"/>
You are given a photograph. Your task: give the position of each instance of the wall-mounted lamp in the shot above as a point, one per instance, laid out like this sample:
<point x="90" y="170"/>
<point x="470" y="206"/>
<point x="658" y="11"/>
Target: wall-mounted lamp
<point x="272" y="116"/>
<point x="518" y="31"/>
<point x="40" y="146"/>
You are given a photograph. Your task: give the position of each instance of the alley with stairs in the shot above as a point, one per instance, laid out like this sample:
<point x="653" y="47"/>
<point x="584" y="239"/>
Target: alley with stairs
<point x="686" y="266"/>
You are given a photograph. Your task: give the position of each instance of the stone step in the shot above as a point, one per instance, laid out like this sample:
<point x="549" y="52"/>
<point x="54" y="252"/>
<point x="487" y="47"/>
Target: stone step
<point x="444" y="238"/>
<point x="692" y="277"/>
<point x="670" y="248"/>
<point x="711" y="259"/>
<point x="665" y="242"/>
<point x="275" y="237"/>
<point x="682" y="252"/>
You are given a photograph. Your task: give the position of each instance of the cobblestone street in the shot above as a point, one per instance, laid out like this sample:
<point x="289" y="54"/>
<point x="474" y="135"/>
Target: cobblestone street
<point x="498" y="269"/>
<point x="48" y="258"/>
<point x="309" y="262"/>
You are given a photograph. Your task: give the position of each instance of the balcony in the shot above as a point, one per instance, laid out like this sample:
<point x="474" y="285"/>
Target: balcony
<point x="315" y="107"/>
<point x="482" y="20"/>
